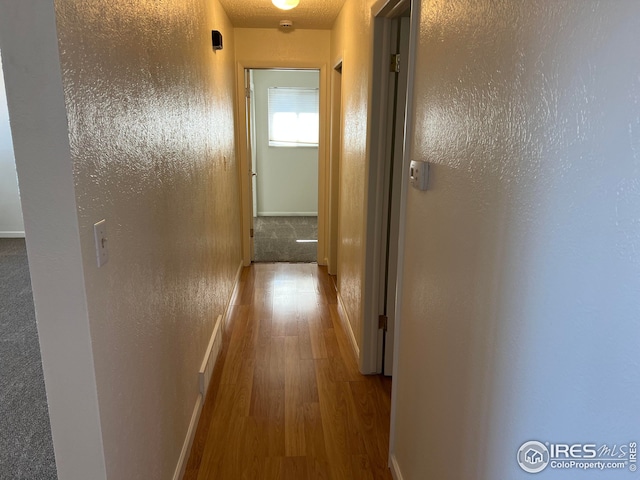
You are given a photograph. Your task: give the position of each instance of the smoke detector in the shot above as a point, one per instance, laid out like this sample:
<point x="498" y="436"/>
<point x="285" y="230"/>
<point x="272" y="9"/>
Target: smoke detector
<point x="286" y="24"/>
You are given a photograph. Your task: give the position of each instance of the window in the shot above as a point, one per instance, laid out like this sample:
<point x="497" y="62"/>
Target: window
<point x="293" y="117"/>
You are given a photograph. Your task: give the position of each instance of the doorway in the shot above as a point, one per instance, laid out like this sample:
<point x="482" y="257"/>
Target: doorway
<point x="24" y="414"/>
<point x="11" y="222"/>
<point x="397" y="103"/>
<point x="393" y="30"/>
<point x="248" y="180"/>
<point x="284" y="130"/>
<point x="333" y="174"/>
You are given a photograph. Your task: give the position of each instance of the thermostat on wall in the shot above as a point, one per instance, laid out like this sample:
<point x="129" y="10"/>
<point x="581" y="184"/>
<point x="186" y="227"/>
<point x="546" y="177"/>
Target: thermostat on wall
<point x="419" y="174"/>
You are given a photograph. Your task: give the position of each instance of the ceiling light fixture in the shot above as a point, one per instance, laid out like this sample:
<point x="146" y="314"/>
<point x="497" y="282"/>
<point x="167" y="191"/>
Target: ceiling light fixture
<point x="285" y="4"/>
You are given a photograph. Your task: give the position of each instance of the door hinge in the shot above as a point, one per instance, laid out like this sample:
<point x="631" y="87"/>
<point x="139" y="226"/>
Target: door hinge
<point x="247" y="92"/>
<point x="382" y="322"/>
<point x="251" y="233"/>
<point x="395" y="63"/>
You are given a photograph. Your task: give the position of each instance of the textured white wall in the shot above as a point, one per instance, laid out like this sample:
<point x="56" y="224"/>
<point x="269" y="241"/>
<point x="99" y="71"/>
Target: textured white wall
<point x="351" y="41"/>
<point x="287" y="180"/>
<point x="144" y="137"/>
<point x="521" y="312"/>
<point x="11" y="223"/>
<point x="151" y="123"/>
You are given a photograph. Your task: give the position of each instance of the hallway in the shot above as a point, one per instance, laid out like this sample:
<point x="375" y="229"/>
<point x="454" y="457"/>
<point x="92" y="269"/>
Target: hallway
<point x="286" y="399"/>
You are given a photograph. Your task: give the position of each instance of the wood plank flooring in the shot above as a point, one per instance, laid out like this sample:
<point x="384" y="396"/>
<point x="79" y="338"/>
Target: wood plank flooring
<point x="286" y="400"/>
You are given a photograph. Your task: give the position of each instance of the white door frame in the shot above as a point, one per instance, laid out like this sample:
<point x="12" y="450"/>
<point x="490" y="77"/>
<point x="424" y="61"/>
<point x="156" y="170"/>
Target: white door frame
<point x="333" y="168"/>
<point x="383" y="12"/>
<point x="244" y="160"/>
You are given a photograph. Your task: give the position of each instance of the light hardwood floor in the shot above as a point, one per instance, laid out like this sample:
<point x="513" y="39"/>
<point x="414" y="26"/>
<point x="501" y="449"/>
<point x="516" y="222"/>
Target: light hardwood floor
<point x="286" y="400"/>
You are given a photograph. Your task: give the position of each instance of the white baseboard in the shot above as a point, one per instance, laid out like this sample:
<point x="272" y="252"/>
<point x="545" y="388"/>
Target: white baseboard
<point x="11" y="234"/>
<point x="287" y="214"/>
<point x="188" y="442"/>
<point x="395" y="468"/>
<point x="344" y="318"/>
<point x="234" y="294"/>
<point x="207" y="366"/>
<point x="210" y="357"/>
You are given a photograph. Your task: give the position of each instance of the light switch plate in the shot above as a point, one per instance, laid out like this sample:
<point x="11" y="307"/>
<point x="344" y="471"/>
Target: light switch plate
<point x="100" y="234"/>
<point x="419" y="174"/>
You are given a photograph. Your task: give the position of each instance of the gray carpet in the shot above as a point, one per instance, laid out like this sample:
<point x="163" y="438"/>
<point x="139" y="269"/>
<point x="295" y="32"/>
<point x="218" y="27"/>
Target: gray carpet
<point x="26" y="449"/>
<point x="275" y="239"/>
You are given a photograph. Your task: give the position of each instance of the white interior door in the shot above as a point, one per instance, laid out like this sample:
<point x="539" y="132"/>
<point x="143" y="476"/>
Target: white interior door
<point x="250" y="140"/>
<point x="254" y="151"/>
<point x="397" y="94"/>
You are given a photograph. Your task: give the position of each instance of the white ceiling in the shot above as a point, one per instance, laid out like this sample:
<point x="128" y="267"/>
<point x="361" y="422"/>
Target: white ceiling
<point x="316" y="14"/>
